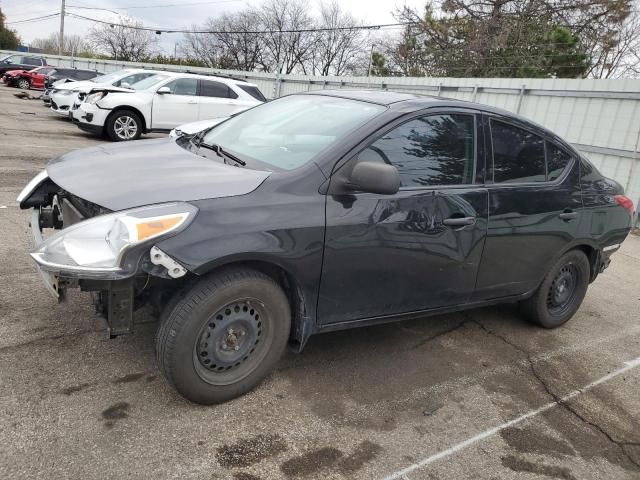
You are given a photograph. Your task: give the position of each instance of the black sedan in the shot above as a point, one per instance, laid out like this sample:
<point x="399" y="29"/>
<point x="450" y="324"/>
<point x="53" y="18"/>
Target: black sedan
<point x="318" y="212"/>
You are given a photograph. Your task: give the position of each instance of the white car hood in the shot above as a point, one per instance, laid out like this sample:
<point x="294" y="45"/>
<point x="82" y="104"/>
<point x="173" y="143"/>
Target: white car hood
<point x="196" y="127"/>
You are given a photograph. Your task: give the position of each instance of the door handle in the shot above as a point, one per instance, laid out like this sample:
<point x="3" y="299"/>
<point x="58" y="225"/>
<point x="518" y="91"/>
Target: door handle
<point x="568" y="215"/>
<point x="459" y="221"/>
<point x="192" y="101"/>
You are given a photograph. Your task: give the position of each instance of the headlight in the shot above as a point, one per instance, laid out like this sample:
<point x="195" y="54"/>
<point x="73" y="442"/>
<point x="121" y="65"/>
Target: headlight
<point x="94" y="97"/>
<point x="99" y="247"/>
<point x="66" y="92"/>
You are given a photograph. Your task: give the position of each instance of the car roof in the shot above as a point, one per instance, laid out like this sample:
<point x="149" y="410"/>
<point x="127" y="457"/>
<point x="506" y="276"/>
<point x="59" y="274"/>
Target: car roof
<point x="208" y="76"/>
<point x="409" y="102"/>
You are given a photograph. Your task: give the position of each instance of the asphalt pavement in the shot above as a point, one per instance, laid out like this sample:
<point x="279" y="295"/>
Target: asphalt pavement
<point x="480" y="394"/>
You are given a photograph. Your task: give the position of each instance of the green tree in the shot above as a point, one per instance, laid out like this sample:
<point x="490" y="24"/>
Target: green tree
<point x="506" y="38"/>
<point x="9" y="40"/>
<point x="378" y="65"/>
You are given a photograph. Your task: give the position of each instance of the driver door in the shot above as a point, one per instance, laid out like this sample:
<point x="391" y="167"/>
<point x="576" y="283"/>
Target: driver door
<point x="177" y="107"/>
<point x="417" y="249"/>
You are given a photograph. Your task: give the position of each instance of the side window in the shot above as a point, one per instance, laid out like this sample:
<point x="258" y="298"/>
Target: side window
<point x="216" y="89"/>
<point x="131" y="79"/>
<point x="32" y="61"/>
<point x="557" y="161"/>
<point x="15" y="60"/>
<point x="183" y="86"/>
<point x="430" y="150"/>
<point x="518" y="155"/>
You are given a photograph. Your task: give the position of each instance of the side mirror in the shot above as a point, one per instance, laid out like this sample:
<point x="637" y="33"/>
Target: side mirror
<point x="374" y="177"/>
<point x="125" y="85"/>
<point x="164" y="90"/>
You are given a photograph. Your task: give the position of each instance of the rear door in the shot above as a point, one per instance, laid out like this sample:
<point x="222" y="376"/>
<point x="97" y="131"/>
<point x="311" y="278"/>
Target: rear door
<point x="535" y="206"/>
<point x="217" y="99"/>
<point x="180" y="106"/>
<point x="420" y="248"/>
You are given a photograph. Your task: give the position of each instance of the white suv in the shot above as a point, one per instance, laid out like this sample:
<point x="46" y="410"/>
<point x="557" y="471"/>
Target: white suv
<point x="162" y="102"/>
<point x="65" y="95"/>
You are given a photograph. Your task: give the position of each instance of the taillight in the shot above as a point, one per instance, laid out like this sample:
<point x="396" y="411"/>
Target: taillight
<point x="625" y="202"/>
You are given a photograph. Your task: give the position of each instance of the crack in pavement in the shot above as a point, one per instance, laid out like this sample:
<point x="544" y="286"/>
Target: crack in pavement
<point x="426" y="340"/>
<point x="565" y="404"/>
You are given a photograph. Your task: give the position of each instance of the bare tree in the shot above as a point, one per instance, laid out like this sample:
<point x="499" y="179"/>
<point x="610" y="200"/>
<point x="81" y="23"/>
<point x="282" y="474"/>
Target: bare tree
<point x="337" y="51"/>
<point x="285" y="50"/>
<point x="73" y="44"/>
<point x="618" y="55"/>
<point x="122" y="41"/>
<point x="241" y="51"/>
<point x="202" y="46"/>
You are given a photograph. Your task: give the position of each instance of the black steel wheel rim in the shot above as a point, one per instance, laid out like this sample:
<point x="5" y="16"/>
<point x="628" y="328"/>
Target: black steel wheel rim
<point x="562" y="291"/>
<point x="232" y="342"/>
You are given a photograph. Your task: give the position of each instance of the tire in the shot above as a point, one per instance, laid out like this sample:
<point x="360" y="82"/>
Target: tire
<point x="224" y="335"/>
<point x="124" y="125"/>
<point x="561" y="292"/>
<point x="23" y="84"/>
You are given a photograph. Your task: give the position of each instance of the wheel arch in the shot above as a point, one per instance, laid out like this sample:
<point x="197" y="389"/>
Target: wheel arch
<point x="302" y="309"/>
<point x="119" y="108"/>
<point x="593" y="252"/>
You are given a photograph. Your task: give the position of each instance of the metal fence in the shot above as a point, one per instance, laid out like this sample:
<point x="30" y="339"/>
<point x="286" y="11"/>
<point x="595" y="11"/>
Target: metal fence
<point x="601" y="118"/>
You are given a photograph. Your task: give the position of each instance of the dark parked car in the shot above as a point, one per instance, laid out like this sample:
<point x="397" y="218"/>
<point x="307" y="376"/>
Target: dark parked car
<point x="66" y="75"/>
<point x="319" y="212"/>
<point x="19" y="61"/>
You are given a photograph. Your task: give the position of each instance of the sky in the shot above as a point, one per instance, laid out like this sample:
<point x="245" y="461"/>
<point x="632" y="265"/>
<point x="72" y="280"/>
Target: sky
<point x="182" y="13"/>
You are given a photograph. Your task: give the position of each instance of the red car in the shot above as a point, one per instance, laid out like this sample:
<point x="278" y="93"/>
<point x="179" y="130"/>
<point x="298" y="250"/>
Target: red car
<point x="32" y="79"/>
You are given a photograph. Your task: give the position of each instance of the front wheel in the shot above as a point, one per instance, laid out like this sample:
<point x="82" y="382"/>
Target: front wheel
<point x="24" y="84"/>
<point x="561" y="292"/>
<point x="124" y="125"/>
<point x="224" y="335"/>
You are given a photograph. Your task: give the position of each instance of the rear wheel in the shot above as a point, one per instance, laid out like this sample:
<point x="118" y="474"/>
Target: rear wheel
<point x="561" y="292"/>
<point x="124" y="125"/>
<point x="24" y="83"/>
<point x="224" y="335"/>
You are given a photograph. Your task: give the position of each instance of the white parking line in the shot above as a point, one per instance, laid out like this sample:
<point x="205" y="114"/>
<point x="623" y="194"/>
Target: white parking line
<point x="401" y="474"/>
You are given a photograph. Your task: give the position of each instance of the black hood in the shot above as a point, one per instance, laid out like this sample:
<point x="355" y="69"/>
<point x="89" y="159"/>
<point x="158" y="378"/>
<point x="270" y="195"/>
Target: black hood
<point x="131" y="174"/>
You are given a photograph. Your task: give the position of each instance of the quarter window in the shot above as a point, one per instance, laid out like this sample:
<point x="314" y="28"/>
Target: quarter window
<point x="518" y="155"/>
<point x="216" y="89"/>
<point x="183" y="86"/>
<point x="430" y="150"/>
<point x="253" y="91"/>
<point x="557" y="161"/>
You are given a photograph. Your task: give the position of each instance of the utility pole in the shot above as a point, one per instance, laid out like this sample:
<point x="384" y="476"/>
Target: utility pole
<point x="61" y="45"/>
<point x="370" y="63"/>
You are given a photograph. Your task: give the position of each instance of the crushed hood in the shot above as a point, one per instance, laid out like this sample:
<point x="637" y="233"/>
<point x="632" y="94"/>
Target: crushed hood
<point x="132" y="174"/>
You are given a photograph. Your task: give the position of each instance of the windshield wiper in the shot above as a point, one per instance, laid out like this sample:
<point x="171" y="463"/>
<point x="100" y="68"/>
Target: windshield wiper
<point x="222" y="153"/>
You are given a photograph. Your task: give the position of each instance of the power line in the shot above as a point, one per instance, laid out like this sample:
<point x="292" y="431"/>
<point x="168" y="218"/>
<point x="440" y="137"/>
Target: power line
<point x="167" y="5"/>
<point x="34" y="19"/>
<point x="256" y="32"/>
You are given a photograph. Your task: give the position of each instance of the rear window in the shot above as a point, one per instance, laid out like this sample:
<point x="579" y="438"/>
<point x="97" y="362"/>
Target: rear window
<point x="518" y="155"/>
<point x="209" y="88"/>
<point x="32" y="61"/>
<point x="253" y="91"/>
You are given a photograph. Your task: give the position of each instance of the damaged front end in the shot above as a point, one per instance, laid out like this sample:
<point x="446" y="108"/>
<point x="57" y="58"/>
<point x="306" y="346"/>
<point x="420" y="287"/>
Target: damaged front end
<point x="111" y="254"/>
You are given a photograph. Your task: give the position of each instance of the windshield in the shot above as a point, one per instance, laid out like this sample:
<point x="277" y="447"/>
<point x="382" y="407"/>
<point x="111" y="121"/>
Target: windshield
<point x="287" y="133"/>
<point x="148" y="82"/>
<point x="110" y="77"/>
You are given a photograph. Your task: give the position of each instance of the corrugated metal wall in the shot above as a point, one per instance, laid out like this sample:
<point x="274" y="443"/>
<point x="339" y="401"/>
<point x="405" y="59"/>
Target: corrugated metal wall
<point x="600" y="117"/>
